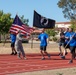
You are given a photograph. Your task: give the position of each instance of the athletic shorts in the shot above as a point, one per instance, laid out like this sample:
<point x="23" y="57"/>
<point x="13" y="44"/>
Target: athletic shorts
<point x="67" y="45"/>
<point x="61" y="44"/>
<point x="72" y="49"/>
<point x="12" y="44"/>
<point x="43" y="48"/>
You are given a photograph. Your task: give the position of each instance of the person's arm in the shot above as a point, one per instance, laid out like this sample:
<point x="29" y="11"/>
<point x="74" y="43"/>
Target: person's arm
<point x="47" y="40"/>
<point x="35" y="38"/>
<point x="67" y="38"/>
<point x="27" y="37"/>
<point x="47" y="37"/>
<point x="19" y="37"/>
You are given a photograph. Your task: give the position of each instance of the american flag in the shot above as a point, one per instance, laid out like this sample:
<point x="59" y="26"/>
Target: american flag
<point x="18" y="25"/>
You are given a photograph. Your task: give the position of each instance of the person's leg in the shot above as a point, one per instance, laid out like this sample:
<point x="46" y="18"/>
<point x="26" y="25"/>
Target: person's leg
<point x="75" y="53"/>
<point x="19" y="54"/>
<point x="60" y="44"/>
<point x="42" y="54"/>
<point x="46" y="52"/>
<point x="41" y="51"/>
<point x="13" y="49"/>
<point x="65" y="51"/>
<point x="72" y="57"/>
<point x="72" y="54"/>
<point x="18" y="51"/>
<point x="23" y="53"/>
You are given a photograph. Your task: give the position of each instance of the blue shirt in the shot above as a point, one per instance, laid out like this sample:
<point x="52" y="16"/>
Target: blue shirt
<point x="13" y="38"/>
<point x="73" y="40"/>
<point x="43" y="38"/>
<point x="66" y="35"/>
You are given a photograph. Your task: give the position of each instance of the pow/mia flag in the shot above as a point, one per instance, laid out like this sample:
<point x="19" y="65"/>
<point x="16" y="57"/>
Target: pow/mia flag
<point x="42" y="22"/>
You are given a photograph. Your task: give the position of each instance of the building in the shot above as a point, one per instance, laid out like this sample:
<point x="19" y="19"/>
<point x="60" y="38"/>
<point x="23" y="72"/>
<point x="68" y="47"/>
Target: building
<point x="63" y="24"/>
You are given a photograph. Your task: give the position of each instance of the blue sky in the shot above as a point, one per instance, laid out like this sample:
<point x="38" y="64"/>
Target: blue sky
<point x="47" y="8"/>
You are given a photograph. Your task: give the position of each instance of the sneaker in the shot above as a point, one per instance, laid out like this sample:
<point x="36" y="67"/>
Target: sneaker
<point x="19" y="57"/>
<point x="63" y="57"/>
<point x="25" y="58"/>
<point x="42" y="58"/>
<point x="70" y="61"/>
<point x="15" y="53"/>
<point x="12" y="53"/>
<point x="49" y="56"/>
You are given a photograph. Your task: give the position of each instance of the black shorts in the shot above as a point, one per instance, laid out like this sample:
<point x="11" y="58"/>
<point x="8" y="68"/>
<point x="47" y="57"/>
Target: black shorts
<point x="12" y="44"/>
<point x="43" y="48"/>
<point x="67" y="45"/>
<point x="72" y="49"/>
<point x="61" y="44"/>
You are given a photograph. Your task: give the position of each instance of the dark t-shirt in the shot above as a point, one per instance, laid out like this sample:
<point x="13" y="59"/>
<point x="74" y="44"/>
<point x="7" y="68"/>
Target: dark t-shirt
<point x="62" y="38"/>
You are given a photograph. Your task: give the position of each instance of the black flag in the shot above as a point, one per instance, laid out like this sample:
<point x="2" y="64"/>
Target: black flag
<point x="42" y="22"/>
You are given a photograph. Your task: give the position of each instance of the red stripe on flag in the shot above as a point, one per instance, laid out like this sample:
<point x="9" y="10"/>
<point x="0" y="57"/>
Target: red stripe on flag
<point x="28" y="29"/>
<point x="14" y="29"/>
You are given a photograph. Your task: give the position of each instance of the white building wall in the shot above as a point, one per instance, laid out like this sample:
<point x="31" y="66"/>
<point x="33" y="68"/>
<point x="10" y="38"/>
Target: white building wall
<point x="62" y="25"/>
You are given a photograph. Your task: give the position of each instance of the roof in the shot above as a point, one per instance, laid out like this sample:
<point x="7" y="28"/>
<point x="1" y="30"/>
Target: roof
<point x="63" y="22"/>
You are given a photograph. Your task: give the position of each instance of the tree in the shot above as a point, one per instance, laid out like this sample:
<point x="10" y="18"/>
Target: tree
<point x="68" y="8"/>
<point x="5" y="23"/>
<point x="51" y="32"/>
<point x="25" y="21"/>
<point x="73" y="25"/>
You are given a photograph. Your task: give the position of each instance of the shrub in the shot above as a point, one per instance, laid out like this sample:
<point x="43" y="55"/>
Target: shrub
<point x="54" y="39"/>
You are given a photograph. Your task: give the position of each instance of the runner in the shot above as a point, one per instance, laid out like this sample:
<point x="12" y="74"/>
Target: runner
<point x="61" y="41"/>
<point x="18" y="45"/>
<point x="72" y="43"/>
<point x="66" y="41"/>
<point x="13" y="39"/>
<point x="43" y="37"/>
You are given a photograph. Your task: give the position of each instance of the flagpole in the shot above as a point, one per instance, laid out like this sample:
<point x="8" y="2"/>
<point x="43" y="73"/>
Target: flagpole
<point x="32" y="41"/>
